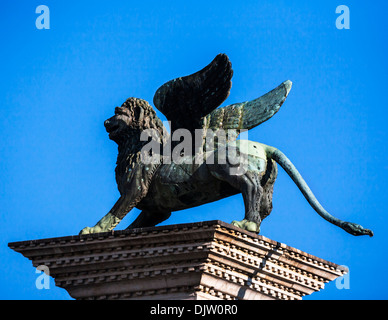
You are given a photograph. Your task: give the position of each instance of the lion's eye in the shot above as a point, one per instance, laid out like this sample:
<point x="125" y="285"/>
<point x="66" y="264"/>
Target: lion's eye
<point x="122" y="111"/>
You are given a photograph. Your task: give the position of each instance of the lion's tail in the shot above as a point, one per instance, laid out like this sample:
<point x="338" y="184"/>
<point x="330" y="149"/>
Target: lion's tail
<point x="288" y="166"/>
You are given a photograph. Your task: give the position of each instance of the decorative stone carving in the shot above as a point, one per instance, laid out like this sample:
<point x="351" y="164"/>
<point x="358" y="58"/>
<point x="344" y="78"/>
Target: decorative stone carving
<point x="196" y="261"/>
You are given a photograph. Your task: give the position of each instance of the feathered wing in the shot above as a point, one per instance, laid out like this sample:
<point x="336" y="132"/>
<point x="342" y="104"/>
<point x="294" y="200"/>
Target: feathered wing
<point x="192" y="102"/>
<point x="247" y="115"/>
<point x="186" y="100"/>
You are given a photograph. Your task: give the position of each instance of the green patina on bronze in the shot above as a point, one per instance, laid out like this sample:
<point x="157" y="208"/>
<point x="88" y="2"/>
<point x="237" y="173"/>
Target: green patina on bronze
<point x="192" y="103"/>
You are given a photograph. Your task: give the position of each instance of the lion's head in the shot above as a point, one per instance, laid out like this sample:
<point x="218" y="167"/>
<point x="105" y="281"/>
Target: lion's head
<point x="130" y="119"/>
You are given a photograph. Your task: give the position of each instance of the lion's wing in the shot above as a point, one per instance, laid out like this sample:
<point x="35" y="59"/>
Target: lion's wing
<point x="186" y="100"/>
<point x="247" y="115"/>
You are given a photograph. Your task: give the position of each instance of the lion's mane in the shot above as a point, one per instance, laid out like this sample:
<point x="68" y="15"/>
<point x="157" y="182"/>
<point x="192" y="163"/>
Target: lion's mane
<point x="143" y="117"/>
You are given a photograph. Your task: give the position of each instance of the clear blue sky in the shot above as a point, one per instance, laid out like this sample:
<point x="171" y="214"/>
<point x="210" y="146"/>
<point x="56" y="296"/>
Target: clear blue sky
<point x="59" y="85"/>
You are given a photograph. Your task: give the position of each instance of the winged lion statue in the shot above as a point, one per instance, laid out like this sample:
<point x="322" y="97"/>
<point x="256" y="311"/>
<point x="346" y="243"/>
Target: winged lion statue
<point x="192" y="104"/>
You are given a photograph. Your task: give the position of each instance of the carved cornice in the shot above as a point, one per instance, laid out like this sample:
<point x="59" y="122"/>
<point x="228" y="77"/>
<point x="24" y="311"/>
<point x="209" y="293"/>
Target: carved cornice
<point x="210" y="259"/>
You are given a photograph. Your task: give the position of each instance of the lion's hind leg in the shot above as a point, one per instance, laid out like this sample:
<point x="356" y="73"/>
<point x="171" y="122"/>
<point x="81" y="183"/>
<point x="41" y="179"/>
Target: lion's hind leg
<point x="252" y="193"/>
<point x="249" y="185"/>
<point x="267" y="183"/>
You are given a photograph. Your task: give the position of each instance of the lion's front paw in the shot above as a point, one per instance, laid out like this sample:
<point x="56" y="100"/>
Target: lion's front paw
<point x="88" y="230"/>
<point x="247" y="225"/>
<point x="107" y="223"/>
<point x="85" y="230"/>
